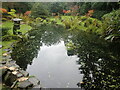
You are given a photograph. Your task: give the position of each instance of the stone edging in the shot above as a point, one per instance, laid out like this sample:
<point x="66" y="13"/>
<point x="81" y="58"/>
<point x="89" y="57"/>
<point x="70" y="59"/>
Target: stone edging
<point x="14" y="77"/>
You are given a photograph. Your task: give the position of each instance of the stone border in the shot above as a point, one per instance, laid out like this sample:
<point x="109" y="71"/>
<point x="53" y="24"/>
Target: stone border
<point x="14" y="77"/>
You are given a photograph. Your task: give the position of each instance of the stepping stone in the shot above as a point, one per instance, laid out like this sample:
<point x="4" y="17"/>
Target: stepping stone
<point x="25" y="84"/>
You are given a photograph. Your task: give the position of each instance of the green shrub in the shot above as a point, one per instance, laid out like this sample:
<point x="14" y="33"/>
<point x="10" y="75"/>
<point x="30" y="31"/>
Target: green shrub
<point x="111" y="25"/>
<point x="83" y="23"/>
<point x="99" y="14"/>
<point x="5" y="31"/>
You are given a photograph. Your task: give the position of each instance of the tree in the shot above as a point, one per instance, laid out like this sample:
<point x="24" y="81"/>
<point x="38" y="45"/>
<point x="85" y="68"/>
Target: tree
<point x="100" y="8"/>
<point x="39" y="10"/>
<point x="20" y="7"/>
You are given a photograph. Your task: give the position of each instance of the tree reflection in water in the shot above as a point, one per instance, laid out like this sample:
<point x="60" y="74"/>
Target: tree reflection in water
<point x="25" y="51"/>
<point x="100" y="61"/>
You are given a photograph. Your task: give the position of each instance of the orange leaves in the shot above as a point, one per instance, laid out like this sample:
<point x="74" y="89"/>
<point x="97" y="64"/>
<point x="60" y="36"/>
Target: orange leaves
<point x="66" y="11"/>
<point x="27" y="13"/>
<point x="3" y="10"/>
<point x="90" y="13"/>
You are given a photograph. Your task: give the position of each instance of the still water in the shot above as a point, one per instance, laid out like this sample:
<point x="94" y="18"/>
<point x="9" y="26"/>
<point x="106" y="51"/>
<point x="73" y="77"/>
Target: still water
<point x="55" y="68"/>
<point x="61" y="59"/>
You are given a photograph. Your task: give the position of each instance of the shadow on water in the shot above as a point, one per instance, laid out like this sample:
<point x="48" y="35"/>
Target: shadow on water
<point x="99" y="61"/>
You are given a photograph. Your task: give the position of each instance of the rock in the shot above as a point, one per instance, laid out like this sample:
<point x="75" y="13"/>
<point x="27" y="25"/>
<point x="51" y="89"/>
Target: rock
<point x="10" y="78"/>
<point x="25" y="84"/>
<point x="24" y="73"/>
<point x="34" y="80"/>
<point x="37" y="87"/>
<point x="12" y="65"/>
<point x="14" y="84"/>
<point x="6" y="50"/>
<point x="19" y="75"/>
<point x="22" y="79"/>
<point x="14" y="72"/>
<point x="5" y="54"/>
<point x="6" y="57"/>
<point x="12" y="68"/>
<point x="2" y="62"/>
<point x="12" y="61"/>
<point x="0" y="46"/>
<point x="1" y="65"/>
<point x="3" y="72"/>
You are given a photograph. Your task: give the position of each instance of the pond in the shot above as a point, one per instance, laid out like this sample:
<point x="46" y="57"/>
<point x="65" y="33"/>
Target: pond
<point x="55" y="68"/>
<point x="61" y="59"/>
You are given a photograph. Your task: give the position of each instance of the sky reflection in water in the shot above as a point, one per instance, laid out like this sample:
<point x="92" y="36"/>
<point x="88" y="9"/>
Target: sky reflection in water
<point x="55" y="68"/>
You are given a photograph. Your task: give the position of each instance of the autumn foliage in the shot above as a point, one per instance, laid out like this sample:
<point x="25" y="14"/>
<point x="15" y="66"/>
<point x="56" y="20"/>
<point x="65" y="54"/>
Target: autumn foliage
<point x="27" y="13"/>
<point x="90" y="13"/>
<point x="3" y="10"/>
<point x="66" y="11"/>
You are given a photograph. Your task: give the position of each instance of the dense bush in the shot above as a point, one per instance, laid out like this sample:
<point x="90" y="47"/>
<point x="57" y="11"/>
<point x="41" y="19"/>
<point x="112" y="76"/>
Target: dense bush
<point x="5" y="31"/>
<point x="84" y="23"/>
<point x="111" y="25"/>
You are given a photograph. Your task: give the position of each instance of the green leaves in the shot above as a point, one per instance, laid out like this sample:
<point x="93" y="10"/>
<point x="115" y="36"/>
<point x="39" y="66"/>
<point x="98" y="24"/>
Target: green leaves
<point x="111" y="25"/>
<point x="12" y="12"/>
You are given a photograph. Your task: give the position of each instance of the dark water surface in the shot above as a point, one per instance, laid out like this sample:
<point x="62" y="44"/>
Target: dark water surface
<point x="60" y="59"/>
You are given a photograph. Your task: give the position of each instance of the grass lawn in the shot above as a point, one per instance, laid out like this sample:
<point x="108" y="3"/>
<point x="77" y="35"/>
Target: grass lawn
<point x="24" y="28"/>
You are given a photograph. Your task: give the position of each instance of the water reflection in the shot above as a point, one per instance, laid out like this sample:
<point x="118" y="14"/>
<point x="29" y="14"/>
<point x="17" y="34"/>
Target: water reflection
<point x="25" y="51"/>
<point x="55" y="68"/>
<point x="53" y="35"/>
<point x="99" y="61"/>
